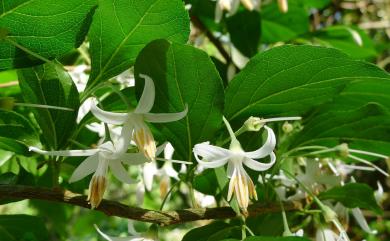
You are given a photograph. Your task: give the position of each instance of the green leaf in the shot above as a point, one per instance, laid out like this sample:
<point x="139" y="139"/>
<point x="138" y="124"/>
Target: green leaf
<point x="367" y="127"/>
<point x="244" y="28"/>
<point x="49" y="84"/>
<point x="291" y="80"/>
<point x="268" y="238"/>
<point x="16" y="132"/>
<point x="120" y="29"/>
<point x="277" y="26"/>
<point x="47" y="28"/>
<point x="183" y="75"/>
<point x="203" y="233"/>
<point x="353" y="195"/>
<point x="23" y="228"/>
<point x="342" y="38"/>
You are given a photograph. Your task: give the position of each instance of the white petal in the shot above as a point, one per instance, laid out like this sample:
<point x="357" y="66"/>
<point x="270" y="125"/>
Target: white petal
<point x="258" y="166"/>
<point x="359" y="217"/>
<point x="120" y="172"/>
<point x="218" y="13"/>
<point x="106" y="116"/>
<point x="230" y="169"/>
<point x="123" y="141"/>
<point x="149" y="171"/>
<point x="165" y="117"/>
<point x="133" y="158"/>
<point x="146" y="101"/>
<point x="88" y="152"/>
<point x="214" y="156"/>
<point x="87" y="167"/>
<point x="267" y="148"/>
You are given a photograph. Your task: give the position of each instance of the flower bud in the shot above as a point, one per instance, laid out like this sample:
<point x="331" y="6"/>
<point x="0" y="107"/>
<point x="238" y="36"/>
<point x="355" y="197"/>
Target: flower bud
<point x="283" y="5"/>
<point x="343" y="150"/>
<point x="329" y="214"/>
<point x="253" y="124"/>
<point x="287" y="127"/>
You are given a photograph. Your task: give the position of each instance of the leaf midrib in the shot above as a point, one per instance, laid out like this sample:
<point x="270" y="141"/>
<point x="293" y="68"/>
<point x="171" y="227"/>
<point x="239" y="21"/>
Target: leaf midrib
<point x="123" y="42"/>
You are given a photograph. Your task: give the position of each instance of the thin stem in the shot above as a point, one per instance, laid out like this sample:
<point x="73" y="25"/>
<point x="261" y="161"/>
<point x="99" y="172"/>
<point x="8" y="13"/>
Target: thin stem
<point x="229" y="128"/>
<point x="369" y="164"/>
<point x="282" y="119"/>
<point x="368" y="153"/>
<point x="168" y="194"/>
<point x="174" y="161"/>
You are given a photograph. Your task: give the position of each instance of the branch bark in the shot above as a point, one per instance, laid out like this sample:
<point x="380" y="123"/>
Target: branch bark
<point x="112" y="208"/>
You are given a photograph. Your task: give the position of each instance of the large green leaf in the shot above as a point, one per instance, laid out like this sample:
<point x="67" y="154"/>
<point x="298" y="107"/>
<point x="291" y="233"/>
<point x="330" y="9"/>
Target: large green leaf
<point x="353" y="195"/>
<point x="183" y="75"/>
<point x="291" y="80"/>
<point x="120" y="29"/>
<point x="277" y="26"/>
<point x="22" y="228"/>
<point x="16" y="132"/>
<point x="366" y="128"/>
<point x="48" y="28"/>
<point x="49" y="84"/>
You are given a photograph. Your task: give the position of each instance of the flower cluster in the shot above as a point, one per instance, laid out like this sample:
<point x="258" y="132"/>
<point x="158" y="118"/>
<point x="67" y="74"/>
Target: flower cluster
<point x="113" y="153"/>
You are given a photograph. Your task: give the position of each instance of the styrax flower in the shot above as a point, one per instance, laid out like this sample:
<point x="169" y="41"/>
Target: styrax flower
<point x="232" y="6"/>
<point x="134" y="122"/>
<point x="240" y="184"/>
<point x="98" y="160"/>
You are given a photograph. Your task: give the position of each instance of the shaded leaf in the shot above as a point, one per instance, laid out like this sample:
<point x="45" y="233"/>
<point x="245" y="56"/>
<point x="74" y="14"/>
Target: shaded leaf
<point x="353" y="195"/>
<point x="16" y="132"/>
<point x="49" y="84"/>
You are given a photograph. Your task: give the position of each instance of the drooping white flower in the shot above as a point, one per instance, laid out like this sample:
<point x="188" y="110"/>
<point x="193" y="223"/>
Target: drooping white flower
<point x="240" y="184"/>
<point x="134" y="122"/>
<point x="326" y="234"/>
<point x="98" y="160"/>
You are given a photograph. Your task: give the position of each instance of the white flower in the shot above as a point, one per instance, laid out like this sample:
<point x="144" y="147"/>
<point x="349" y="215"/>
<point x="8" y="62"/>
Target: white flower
<point x="134" y="122"/>
<point x="326" y="234"/>
<point x="98" y="160"/>
<point x="240" y="184"/>
<point x="232" y="6"/>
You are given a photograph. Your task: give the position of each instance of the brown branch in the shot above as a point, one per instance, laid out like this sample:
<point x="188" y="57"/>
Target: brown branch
<point x="112" y="208"/>
<point x="215" y="41"/>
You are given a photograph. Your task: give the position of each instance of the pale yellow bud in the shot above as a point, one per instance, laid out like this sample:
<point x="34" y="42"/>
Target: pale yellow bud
<point x="287" y="127"/>
<point x="343" y="150"/>
<point x="253" y="124"/>
<point x="283" y="5"/>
